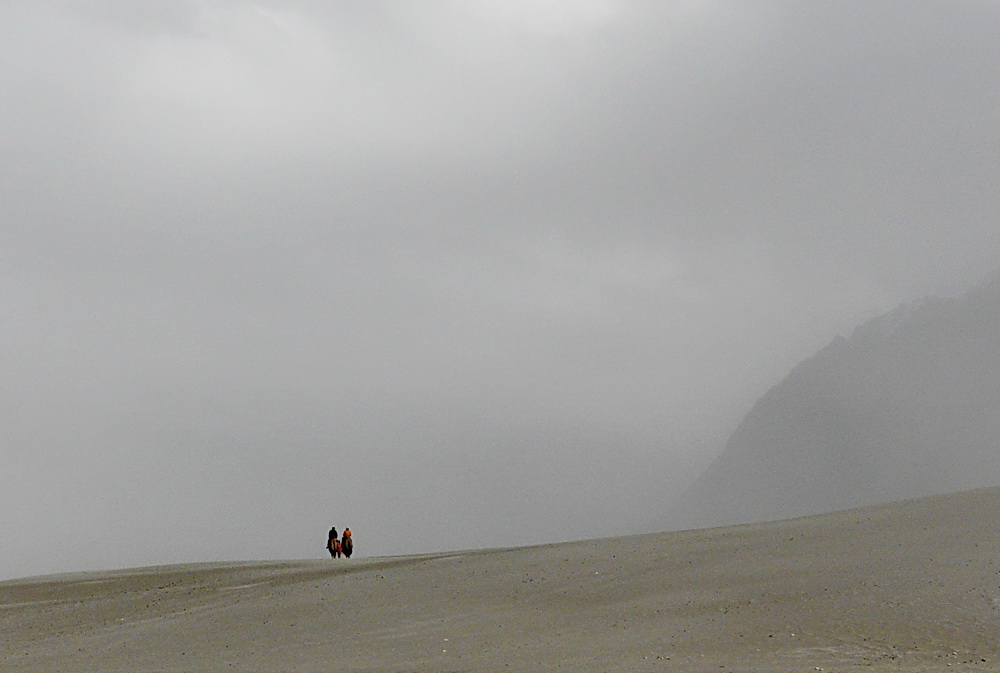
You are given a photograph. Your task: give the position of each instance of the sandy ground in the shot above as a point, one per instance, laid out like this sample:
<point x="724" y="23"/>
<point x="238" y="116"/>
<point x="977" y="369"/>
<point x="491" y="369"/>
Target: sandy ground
<point x="912" y="586"/>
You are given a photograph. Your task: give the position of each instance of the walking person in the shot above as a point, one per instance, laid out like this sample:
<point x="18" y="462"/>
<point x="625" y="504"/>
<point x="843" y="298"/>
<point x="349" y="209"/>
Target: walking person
<point x="333" y="543"/>
<point x="347" y="543"/>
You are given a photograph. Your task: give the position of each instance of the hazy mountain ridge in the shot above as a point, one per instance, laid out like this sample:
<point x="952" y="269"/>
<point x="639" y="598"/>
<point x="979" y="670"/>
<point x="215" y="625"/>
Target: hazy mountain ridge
<point x="906" y="406"/>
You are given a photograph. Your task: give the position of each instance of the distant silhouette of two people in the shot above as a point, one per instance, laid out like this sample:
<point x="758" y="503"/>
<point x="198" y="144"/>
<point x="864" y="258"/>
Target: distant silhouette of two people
<point x="338" y="546"/>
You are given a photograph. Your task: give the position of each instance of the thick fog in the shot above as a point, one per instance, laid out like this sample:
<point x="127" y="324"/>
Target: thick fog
<point x="453" y="274"/>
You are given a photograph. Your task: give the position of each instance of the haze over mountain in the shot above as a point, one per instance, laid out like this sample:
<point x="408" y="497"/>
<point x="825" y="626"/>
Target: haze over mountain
<point x="455" y="274"/>
<point x="905" y="407"/>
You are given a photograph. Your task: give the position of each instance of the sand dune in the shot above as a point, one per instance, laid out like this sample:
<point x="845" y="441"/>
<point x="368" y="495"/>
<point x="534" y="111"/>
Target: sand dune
<point x="911" y="586"/>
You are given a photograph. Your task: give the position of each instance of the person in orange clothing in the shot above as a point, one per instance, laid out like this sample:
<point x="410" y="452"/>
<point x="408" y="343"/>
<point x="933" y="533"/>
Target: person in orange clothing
<point x="347" y="543"/>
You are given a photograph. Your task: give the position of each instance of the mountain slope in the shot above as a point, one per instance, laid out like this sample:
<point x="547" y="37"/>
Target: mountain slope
<point x="909" y="405"/>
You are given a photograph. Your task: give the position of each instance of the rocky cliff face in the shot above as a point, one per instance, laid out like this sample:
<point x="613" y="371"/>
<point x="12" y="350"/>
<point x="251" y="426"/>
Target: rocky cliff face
<point x="909" y="405"/>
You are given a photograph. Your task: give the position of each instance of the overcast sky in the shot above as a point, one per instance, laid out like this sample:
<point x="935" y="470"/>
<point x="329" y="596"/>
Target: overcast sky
<point x="453" y="273"/>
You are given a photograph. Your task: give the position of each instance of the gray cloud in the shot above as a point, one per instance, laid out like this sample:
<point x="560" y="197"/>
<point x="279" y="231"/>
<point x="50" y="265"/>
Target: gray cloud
<point x="454" y="274"/>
